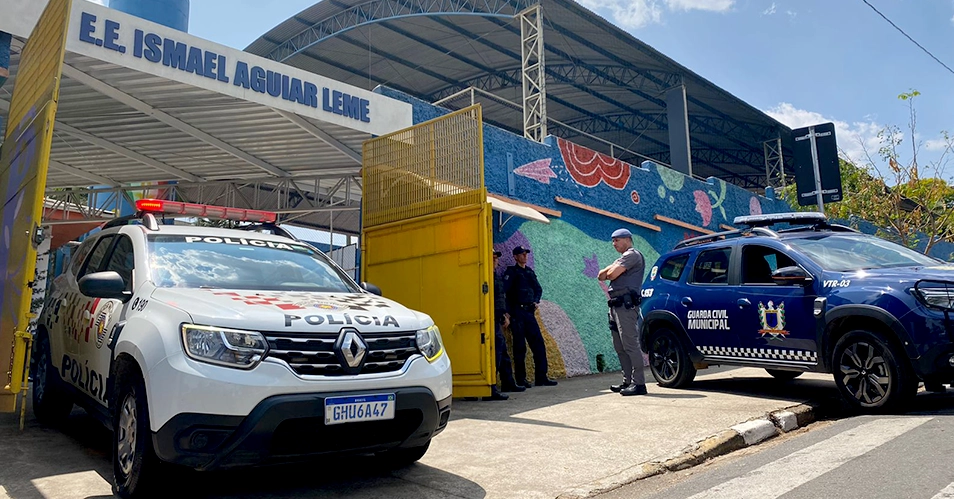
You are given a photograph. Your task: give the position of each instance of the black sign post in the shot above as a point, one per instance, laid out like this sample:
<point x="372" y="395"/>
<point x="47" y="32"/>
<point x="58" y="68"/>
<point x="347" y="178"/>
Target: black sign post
<point x="817" y="172"/>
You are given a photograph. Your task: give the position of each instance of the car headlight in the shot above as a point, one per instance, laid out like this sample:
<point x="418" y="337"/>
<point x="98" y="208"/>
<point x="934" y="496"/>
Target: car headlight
<point x="429" y="343"/>
<point x="936" y="294"/>
<point x="224" y="347"/>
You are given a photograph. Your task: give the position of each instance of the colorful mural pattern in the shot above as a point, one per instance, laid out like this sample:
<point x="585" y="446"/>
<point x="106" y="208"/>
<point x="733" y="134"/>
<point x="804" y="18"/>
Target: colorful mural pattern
<point x="588" y="167"/>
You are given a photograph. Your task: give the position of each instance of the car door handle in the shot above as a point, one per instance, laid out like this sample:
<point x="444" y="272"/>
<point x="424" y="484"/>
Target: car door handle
<point x="686" y="301"/>
<point x="744" y="303"/>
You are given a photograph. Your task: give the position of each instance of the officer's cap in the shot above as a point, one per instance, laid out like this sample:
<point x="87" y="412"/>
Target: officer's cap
<point x="497" y="253"/>
<point x="622" y="234"/>
<point x="519" y="250"/>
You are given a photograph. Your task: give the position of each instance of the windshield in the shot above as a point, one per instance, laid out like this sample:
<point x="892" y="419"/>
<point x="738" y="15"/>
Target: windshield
<point x="241" y="263"/>
<point x="846" y="253"/>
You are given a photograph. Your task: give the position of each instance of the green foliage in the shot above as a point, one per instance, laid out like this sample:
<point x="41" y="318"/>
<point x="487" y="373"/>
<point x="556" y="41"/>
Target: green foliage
<point x="909" y="202"/>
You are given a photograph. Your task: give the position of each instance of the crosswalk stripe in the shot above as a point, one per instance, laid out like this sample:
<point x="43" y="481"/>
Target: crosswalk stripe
<point x="947" y="493"/>
<point x="782" y="475"/>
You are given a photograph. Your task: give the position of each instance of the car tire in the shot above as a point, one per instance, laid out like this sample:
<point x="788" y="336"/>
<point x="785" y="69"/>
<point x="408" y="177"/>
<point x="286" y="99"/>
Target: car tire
<point x="401" y="457"/>
<point x="669" y="360"/>
<point x="135" y="465"/>
<point x="870" y="373"/>
<point x="51" y="402"/>
<point x="783" y="375"/>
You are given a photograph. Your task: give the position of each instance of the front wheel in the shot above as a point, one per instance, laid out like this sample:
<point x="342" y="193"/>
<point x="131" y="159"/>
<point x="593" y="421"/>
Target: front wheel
<point x="870" y="374"/>
<point x="135" y="465"/>
<point x="51" y="403"/>
<point x="669" y="360"/>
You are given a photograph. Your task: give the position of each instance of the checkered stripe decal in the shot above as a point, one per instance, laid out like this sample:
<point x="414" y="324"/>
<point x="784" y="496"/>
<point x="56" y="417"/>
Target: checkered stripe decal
<point x="761" y="353"/>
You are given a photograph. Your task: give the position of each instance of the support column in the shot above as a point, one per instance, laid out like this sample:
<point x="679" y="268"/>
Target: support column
<point x="533" y="68"/>
<point x="774" y="163"/>
<point x="677" y="111"/>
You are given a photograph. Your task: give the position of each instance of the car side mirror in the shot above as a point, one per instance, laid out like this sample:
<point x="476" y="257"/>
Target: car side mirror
<point x="108" y="284"/>
<point x="371" y="288"/>
<point x="794" y="275"/>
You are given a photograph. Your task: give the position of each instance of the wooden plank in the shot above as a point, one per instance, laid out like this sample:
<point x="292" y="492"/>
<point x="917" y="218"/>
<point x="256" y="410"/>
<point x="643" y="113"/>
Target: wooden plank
<point x="684" y="225"/>
<point x="727" y="227"/>
<point x="605" y="213"/>
<point x="545" y="211"/>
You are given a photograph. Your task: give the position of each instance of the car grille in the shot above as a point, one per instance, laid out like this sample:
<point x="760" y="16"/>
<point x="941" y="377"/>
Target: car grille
<point x="313" y="354"/>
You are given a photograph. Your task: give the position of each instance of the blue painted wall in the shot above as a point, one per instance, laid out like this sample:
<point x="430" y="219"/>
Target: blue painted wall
<point x="568" y="252"/>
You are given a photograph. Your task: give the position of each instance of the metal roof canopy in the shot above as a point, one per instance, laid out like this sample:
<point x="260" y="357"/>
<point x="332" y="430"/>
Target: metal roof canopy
<point x="124" y="120"/>
<point x="605" y="88"/>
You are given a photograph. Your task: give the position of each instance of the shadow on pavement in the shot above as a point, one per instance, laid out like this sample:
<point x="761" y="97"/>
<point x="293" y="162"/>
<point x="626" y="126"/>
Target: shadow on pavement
<point x="75" y="461"/>
<point x="597" y="385"/>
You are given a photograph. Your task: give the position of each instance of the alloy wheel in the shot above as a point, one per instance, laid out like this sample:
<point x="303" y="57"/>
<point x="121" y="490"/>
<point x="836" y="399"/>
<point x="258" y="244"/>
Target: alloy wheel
<point x="126" y="440"/>
<point x="865" y="373"/>
<point x="665" y="359"/>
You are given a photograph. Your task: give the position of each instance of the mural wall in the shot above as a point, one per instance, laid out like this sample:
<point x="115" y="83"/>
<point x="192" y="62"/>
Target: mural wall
<point x="662" y="206"/>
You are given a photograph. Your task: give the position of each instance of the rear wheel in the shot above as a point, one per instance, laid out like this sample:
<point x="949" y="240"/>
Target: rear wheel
<point x="51" y="403"/>
<point x="135" y="465"/>
<point x="783" y="375"/>
<point x="871" y="374"/>
<point x="669" y="360"/>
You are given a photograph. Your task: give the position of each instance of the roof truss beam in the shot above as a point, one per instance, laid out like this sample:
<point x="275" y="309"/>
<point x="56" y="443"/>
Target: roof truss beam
<point x="321" y="135"/>
<point x="284" y="196"/>
<point x="593" y="75"/>
<point x="163" y="117"/>
<point x="568" y="81"/>
<point x="655" y="55"/>
<point x="76" y="172"/>
<point x="59" y="126"/>
<point x="378" y="10"/>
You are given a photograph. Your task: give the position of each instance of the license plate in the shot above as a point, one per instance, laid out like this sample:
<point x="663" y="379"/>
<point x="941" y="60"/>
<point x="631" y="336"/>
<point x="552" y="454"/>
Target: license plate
<point x="359" y="408"/>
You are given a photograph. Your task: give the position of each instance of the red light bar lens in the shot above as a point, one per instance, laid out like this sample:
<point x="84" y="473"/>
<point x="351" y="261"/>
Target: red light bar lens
<point x="149" y="205"/>
<point x="206" y="211"/>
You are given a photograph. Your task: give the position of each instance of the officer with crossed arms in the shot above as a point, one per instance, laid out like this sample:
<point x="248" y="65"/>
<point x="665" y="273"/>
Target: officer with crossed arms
<point x="626" y="281"/>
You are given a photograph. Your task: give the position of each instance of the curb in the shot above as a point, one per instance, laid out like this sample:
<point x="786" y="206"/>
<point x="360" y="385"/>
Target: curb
<point x="737" y="437"/>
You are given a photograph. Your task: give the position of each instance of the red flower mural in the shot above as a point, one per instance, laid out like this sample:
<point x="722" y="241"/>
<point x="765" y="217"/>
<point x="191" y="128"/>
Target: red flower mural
<point x="589" y="167"/>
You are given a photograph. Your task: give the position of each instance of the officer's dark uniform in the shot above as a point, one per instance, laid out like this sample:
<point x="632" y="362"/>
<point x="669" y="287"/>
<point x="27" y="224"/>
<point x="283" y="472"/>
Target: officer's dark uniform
<point x="504" y="367"/>
<point x="523" y="293"/>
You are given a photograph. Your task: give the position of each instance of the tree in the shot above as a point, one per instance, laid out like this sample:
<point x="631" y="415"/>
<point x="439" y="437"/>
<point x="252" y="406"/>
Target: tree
<point x="909" y="202"/>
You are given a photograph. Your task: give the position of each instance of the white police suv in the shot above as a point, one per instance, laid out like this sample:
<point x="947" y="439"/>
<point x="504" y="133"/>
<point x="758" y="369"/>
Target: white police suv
<point x="213" y="348"/>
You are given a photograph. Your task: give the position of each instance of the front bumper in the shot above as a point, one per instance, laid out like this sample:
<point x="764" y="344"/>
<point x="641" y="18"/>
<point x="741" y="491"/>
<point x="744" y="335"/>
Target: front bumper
<point x="934" y="364"/>
<point x="289" y="427"/>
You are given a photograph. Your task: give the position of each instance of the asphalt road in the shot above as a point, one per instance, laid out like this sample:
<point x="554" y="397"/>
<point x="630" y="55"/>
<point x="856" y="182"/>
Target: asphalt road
<point x="876" y="457"/>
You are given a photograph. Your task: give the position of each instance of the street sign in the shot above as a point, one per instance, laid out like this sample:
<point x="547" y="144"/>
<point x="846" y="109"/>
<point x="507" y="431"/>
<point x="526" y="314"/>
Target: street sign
<point x="817" y="172"/>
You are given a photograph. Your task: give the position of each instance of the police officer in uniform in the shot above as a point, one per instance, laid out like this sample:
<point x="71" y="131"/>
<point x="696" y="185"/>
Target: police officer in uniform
<point x="502" y="320"/>
<point x="626" y="281"/>
<point x="523" y="297"/>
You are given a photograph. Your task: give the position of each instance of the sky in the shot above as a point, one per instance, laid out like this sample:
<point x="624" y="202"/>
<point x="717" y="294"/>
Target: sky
<point x="804" y="62"/>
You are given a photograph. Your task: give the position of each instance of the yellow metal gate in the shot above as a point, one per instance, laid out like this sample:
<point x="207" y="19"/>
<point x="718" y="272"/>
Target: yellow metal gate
<point x="23" y="166"/>
<point x="426" y="236"/>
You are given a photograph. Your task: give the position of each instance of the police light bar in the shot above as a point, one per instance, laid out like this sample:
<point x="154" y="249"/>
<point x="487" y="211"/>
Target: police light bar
<point x="806" y="217"/>
<point x="205" y="210"/>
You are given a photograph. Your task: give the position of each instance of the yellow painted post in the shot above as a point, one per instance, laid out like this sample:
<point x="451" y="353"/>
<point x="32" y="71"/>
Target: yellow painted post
<point x="23" y="167"/>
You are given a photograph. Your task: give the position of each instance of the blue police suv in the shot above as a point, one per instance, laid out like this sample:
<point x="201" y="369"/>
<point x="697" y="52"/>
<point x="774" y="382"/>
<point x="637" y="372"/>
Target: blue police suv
<point x="814" y="296"/>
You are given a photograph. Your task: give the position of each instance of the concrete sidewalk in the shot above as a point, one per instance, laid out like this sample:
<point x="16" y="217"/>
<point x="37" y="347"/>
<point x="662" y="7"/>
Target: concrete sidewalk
<point x="572" y="440"/>
<point x="550" y="440"/>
